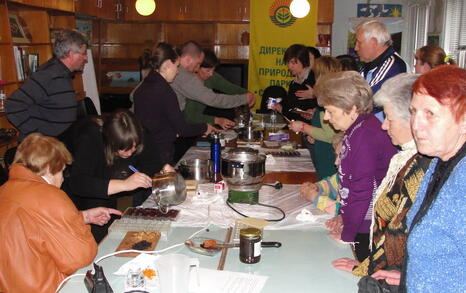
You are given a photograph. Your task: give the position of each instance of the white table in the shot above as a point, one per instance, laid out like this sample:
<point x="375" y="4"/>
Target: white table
<point x="302" y="264"/>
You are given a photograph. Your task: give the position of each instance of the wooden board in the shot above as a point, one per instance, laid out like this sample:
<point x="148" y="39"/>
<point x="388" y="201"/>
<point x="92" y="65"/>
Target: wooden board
<point x="133" y="237"/>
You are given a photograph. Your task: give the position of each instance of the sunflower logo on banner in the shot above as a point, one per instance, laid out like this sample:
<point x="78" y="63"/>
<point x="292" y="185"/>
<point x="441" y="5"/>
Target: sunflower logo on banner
<point x="273" y="30"/>
<point x="280" y="13"/>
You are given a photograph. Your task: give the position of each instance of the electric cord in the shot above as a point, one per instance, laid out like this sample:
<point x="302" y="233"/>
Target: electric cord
<point x="261" y="204"/>
<point x="131" y="250"/>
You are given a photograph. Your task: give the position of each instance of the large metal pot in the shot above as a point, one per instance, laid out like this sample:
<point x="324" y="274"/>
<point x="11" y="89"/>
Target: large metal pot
<point x="168" y="189"/>
<point x="197" y="169"/>
<point x="243" y="169"/>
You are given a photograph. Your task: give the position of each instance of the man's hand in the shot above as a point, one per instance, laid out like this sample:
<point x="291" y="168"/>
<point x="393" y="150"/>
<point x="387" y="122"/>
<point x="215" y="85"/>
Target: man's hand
<point x="251" y="99"/>
<point x="391" y="277"/>
<point x="305" y="94"/>
<point x="345" y="264"/>
<point x="224" y="122"/>
<point x="99" y="216"/>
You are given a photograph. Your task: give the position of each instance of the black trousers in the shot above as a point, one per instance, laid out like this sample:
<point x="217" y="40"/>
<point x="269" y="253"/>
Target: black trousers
<point x="361" y="246"/>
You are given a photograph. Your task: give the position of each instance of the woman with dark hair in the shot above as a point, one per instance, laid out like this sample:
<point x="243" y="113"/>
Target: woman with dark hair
<point x="319" y="133"/>
<point x="429" y="57"/>
<point x="103" y="150"/>
<point x="300" y="92"/>
<point x="44" y="237"/>
<point x="435" y="250"/>
<point x="156" y="105"/>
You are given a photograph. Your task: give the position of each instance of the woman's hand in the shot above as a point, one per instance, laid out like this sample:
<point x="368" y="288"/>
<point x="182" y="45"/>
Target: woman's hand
<point x="308" y="191"/>
<point x="391" y="277"/>
<point x="308" y="115"/>
<point x="210" y="129"/>
<point x="335" y="236"/>
<point x="224" y="122"/>
<point x="310" y="139"/>
<point x="335" y="224"/>
<point x="99" y="216"/>
<point x="345" y="264"/>
<point x="137" y="180"/>
<point x="305" y="94"/>
<point x="296" y="126"/>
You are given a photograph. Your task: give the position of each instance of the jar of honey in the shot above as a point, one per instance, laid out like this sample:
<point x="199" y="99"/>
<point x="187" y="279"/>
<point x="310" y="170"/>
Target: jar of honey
<point x="250" y="240"/>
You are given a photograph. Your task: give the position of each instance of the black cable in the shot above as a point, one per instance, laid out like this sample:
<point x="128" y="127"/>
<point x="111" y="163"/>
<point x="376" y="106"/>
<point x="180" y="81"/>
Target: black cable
<point x="261" y="204"/>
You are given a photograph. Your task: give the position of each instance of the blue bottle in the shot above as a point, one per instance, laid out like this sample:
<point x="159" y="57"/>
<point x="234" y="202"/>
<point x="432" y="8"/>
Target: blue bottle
<point x="215" y="156"/>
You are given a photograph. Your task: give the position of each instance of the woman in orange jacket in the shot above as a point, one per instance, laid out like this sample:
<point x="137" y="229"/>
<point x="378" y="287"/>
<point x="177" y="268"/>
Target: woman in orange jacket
<point x="44" y="237"/>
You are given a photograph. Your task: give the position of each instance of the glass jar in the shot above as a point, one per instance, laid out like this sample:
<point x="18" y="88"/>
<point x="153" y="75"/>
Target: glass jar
<point x="250" y="245"/>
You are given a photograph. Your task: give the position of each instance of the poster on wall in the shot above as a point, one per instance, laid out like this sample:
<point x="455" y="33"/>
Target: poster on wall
<point x="379" y="10"/>
<point x="395" y="26"/>
<point x="273" y="30"/>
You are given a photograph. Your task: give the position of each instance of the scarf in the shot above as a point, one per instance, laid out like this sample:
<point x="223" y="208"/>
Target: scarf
<point x="398" y="161"/>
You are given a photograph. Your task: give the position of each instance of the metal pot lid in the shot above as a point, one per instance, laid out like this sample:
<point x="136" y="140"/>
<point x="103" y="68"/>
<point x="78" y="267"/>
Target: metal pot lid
<point x="243" y="155"/>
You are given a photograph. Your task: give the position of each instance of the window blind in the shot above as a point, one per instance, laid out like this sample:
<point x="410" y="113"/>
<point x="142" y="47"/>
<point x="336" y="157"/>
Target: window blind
<point x="455" y="30"/>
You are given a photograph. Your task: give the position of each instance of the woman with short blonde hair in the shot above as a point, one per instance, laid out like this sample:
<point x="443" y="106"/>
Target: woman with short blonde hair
<point x="344" y="90"/>
<point x="365" y="153"/>
<point x="41" y="154"/>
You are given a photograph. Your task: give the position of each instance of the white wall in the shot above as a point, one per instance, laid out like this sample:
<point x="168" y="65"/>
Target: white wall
<point x="344" y="9"/>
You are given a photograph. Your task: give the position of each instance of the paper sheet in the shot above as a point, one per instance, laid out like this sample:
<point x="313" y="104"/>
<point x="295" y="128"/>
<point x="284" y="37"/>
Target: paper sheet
<point x="229" y="282"/>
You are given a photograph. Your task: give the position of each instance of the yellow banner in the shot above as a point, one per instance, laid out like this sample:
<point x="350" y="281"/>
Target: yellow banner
<point x="273" y="30"/>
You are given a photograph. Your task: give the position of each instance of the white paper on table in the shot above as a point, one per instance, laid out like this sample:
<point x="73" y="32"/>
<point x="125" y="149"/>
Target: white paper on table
<point x="209" y="280"/>
<point x="229" y="282"/>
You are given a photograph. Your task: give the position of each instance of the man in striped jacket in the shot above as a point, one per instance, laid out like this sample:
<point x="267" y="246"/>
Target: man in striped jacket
<point x="46" y="102"/>
<point x="374" y="47"/>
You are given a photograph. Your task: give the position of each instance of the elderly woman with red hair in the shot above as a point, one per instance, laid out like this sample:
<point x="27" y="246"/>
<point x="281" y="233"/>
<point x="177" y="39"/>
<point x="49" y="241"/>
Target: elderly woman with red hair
<point x="44" y="237"/>
<point x="435" y="256"/>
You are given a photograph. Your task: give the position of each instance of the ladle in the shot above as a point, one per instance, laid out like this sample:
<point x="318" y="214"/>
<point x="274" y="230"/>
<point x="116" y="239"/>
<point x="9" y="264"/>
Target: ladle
<point x="276" y="185"/>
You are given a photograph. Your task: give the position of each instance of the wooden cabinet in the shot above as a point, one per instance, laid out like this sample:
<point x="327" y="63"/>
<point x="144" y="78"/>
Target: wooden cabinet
<point x="237" y="10"/>
<point x="191" y="10"/>
<point x="325" y="11"/>
<point x="324" y="25"/>
<point x="99" y="8"/>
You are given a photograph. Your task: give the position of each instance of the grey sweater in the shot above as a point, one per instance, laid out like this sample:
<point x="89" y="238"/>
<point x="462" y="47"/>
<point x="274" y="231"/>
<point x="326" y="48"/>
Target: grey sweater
<point x="188" y="86"/>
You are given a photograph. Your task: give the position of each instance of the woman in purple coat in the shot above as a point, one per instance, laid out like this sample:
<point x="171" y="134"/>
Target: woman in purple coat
<point x="365" y="154"/>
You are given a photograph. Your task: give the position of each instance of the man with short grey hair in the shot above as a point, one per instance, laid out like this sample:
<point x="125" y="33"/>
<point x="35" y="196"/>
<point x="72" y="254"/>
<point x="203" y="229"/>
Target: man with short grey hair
<point x="374" y="47"/>
<point x="46" y="102"/>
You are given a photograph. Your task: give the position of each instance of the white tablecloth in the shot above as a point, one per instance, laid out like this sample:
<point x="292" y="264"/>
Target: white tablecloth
<point x="210" y="207"/>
